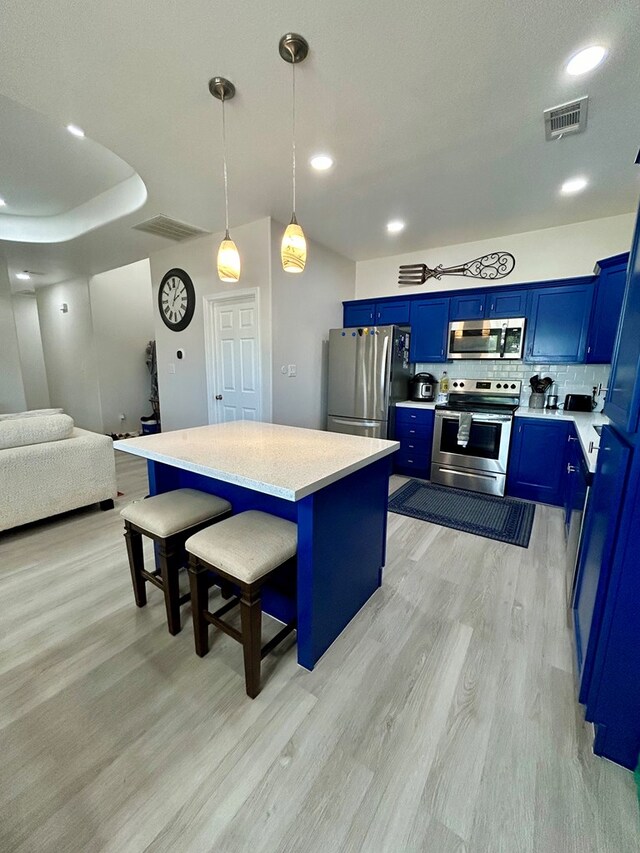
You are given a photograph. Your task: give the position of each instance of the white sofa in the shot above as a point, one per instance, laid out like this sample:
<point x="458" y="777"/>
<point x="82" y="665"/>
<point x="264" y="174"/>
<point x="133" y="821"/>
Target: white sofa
<point x="48" y="466"/>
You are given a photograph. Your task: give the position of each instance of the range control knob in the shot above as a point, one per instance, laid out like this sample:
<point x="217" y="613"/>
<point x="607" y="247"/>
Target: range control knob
<point x="462" y="384"/>
<point x="455" y="384"/>
<point x="513" y="386"/>
<point x="498" y="385"/>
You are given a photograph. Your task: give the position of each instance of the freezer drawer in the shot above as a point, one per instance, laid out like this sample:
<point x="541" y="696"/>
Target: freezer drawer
<point x="357" y="426"/>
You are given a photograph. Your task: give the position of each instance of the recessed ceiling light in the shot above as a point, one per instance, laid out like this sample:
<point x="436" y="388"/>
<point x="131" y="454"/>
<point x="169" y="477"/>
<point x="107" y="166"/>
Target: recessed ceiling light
<point x="2" y="202"/>
<point x="74" y="130"/>
<point x="395" y="226"/>
<point x="23" y="276"/>
<point x="573" y="185"/>
<point x="586" y="60"/>
<point x="321" y="162"/>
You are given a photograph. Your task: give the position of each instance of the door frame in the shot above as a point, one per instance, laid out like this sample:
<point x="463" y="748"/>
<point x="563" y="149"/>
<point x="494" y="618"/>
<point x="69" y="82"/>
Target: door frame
<point x="210" y="301"/>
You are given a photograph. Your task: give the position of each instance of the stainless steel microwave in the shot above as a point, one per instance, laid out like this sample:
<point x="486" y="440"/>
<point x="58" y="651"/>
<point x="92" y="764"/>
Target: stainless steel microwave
<point x="486" y="338"/>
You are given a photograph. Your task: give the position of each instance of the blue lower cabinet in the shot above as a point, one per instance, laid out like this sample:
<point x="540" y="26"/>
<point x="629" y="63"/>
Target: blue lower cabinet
<point x="537" y="460"/>
<point x="414" y="431"/>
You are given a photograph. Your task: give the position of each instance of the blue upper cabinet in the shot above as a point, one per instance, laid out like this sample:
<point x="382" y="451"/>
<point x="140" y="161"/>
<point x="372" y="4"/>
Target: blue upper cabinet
<point x="501" y="304"/>
<point x="559" y="323"/>
<point x="506" y="304"/>
<point x="388" y="313"/>
<point x="607" y="307"/>
<point x="469" y="307"/>
<point x="429" y="328"/>
<point x="623" y="399"/>
<point x="359" y="313"/>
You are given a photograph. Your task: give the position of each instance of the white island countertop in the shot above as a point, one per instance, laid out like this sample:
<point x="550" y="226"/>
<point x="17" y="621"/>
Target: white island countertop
<point x="584" y="423"/>
<point x="287" y="462"/>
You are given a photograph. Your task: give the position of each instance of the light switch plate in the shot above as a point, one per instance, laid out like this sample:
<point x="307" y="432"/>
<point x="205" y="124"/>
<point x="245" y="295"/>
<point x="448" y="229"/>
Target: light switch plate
<point x="292" y="370"/>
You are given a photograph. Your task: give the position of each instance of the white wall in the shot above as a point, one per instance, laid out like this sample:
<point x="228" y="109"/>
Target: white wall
<point x="305" y="307"/>
<point x="550" y="253"/>
<point x="123" y="324"/>
<point x="34" y="374"/>
<point x="69" y="353"/>
<point x="183" y="395"/>
<point x="12" y="396"/>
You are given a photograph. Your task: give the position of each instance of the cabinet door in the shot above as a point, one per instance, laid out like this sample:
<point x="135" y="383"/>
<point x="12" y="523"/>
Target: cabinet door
<point x="559" y="323"/>
<point x="623" y="399"/>
<point x="359" y="314"/>
<point x="471" y="307"/>
<point x="429" y="327"/>
<point x="572" y="474"/>
<point x="506" y="304"/>
<point x="598" y="540"/>
<point x="537" y="460"/>
<point x="416" y="439"/>
<point x="605" y="315"/>
<point x="388" y="313"/>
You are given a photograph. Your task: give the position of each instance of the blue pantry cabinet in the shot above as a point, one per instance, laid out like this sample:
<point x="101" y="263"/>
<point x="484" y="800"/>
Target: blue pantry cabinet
<point x="414" y="431"/>
<point x="559" y="323"/>
<point x="429" y="329"/>
<point x="606" y="605"/>
<point x="537" y="460"/>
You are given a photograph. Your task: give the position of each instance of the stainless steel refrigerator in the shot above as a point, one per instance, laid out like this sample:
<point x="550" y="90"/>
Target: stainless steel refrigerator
<point x="368" y="373"/>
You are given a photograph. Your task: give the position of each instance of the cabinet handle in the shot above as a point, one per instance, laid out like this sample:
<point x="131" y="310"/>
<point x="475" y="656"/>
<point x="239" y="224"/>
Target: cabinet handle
<point x="572" y="438"/>
<point x="481" y="308"/>
<point x="378" y="315"/>
<point x="413" y="417"/>
<point x="592" y="447"/>
<point x="491" y="307"/>
<point x="442" y="351"/>
<point x="571" y="469"/>
<point x="588" y="349"/>
<point x="410" y="460"/>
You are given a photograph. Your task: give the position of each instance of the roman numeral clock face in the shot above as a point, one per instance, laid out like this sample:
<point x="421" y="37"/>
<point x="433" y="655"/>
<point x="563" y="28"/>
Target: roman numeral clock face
<point x="176" y="300"/>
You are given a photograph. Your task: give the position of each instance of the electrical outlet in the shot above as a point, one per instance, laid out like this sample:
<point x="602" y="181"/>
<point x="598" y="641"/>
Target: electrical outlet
<point x="292" y="371"/>
<point x="123" y="417"/>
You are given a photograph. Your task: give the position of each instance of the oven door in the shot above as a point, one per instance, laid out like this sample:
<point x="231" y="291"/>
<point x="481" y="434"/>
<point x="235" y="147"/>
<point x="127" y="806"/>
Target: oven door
<point x="488" y="445"/>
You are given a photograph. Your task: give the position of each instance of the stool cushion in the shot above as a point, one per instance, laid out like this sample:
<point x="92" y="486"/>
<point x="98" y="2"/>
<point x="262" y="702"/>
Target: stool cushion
<point x="246" y="546"/>
<point x="167" y="514"/>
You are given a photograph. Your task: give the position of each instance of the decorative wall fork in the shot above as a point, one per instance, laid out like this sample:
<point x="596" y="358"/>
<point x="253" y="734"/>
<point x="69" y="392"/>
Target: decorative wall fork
<point x="489" y="267"/>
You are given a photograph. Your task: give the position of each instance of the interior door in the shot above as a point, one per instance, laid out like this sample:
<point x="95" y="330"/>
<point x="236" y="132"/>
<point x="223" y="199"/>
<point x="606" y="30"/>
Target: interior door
<point x="236" y="354"/>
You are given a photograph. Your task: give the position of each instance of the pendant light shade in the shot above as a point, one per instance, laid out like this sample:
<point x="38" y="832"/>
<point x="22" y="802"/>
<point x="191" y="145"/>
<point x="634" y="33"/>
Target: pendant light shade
<point x="293" y="48"/>
<point x="228" y="260"/>
<point x="294" y="248"/>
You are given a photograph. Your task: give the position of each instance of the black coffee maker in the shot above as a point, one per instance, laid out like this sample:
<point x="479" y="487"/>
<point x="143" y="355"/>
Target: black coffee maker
<point x="422" y="387"/>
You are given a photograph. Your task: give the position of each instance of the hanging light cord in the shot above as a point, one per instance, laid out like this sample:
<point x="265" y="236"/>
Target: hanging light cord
<point x="293" y="133"/>
<point x="224" y="169"/>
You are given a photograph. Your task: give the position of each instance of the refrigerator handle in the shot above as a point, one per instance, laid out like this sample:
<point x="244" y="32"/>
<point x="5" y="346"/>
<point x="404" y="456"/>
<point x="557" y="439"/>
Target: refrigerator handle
<point x="385" y="376"/>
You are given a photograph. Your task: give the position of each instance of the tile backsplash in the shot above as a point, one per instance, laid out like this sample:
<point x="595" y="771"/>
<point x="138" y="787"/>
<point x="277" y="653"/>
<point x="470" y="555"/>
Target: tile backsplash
<point x="569" y="378"/>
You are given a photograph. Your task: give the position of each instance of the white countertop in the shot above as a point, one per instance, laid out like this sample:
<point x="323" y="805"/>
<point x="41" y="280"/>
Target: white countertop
<point x="287" y="462"/>
<point x="416" y="404"/>
<point x="584" y="422"/>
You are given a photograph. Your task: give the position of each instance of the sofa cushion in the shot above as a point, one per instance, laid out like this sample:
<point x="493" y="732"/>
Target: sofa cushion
<point x="33" y="413"/>
<point x="20" y="432"/>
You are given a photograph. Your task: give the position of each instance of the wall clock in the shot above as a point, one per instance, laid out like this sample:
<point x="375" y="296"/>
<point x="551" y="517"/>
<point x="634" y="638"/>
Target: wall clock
<point x="176" y="300"/>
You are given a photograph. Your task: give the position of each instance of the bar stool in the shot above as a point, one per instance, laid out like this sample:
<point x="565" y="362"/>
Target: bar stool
<point x="244" y="550"/>
<point x="169" y="519"/>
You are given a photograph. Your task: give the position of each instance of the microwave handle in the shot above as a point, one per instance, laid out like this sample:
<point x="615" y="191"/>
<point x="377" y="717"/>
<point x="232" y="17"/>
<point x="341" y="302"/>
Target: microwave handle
<point x="503" y="340"/>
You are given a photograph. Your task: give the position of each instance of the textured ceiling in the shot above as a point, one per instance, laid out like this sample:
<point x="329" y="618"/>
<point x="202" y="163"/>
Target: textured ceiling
<point x="433" y="112"/>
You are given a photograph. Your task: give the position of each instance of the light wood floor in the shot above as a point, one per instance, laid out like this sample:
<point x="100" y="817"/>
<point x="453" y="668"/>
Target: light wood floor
<point x="443" y="719"/>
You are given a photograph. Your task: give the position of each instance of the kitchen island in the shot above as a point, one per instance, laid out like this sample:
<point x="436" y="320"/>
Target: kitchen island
<point x="333" y="486"/>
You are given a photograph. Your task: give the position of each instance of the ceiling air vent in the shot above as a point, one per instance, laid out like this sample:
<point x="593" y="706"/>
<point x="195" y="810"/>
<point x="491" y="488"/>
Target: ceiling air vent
<point x="172" y="229"/>
<point x="566" y="119"/>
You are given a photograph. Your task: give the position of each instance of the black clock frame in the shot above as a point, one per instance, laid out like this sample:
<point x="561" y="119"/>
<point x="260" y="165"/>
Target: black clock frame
<point x="191" y="299"/>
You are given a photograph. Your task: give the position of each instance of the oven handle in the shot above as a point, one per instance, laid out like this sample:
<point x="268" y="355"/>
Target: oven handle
<point x="459" y="473"/>
<point x="480" y="417"/>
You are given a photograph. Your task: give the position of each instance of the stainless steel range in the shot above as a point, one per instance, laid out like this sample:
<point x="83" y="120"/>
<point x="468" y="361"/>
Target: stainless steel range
<point x="472" y="434"/>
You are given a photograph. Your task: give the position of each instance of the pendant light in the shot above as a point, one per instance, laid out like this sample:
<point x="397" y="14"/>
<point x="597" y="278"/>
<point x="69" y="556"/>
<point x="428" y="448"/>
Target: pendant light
<point x="228" y="258"/>
<point x="293" y="48"/>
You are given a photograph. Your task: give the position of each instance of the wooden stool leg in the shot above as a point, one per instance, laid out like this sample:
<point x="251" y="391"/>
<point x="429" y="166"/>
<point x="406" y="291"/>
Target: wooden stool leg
<point x="226" y="590"/>
<point x="199" y="604"/>
<point x="251" y="621"/>
<point x="169" y="568"/>
<point x="136" y="563"/>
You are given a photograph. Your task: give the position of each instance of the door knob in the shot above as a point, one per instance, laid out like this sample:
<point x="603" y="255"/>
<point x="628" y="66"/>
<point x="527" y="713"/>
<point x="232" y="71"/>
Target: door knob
<point x="218" y="396"/>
